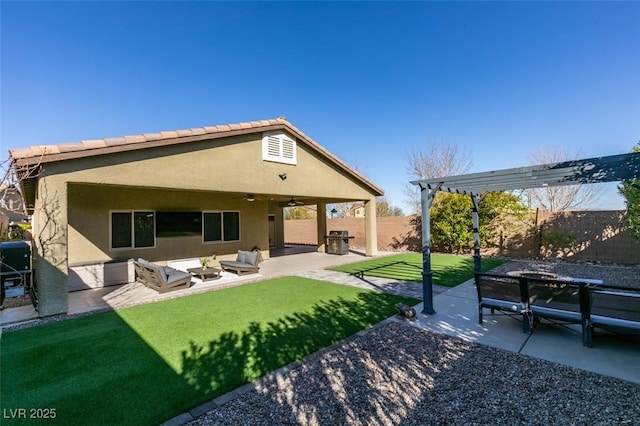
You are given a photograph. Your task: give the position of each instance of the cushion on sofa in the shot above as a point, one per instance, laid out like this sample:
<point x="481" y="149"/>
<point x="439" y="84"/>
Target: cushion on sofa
<point x="242" y="256"/>
<point x="251" y="257"/>
<point x="174" y="275"/>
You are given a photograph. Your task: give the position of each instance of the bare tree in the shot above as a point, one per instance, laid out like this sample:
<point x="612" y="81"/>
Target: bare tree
<point x="12" y="204"/>
<point x="339" y="210"/>
<point x="559" y="198"/>
<point x="437" y="160"/>
<point x="10" y="179"/>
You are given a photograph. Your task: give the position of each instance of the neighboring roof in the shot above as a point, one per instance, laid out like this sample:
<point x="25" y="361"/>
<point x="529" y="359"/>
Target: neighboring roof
<point x="613" y="168"/>
<point x="40" y="154"/>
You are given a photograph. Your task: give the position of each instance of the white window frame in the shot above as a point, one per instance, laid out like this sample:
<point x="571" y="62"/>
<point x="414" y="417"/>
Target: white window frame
<point x="133" y="237"/>
<point x="222" y="212"/>
<point x="279" y="147"/>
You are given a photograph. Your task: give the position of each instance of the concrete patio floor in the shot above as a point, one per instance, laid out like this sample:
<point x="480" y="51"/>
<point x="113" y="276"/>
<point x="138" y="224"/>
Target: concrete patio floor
<point x="456" y="313"/>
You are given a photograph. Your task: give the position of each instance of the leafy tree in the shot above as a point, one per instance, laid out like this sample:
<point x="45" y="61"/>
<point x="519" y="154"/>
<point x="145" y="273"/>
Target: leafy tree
<point x="501" y="213"/>
<point x="451" y="226"/>
<point x="630" y="190"/>
<point x="383" y="208"/>
<point x="297" y="213"/>
<point x="452" y="223"/>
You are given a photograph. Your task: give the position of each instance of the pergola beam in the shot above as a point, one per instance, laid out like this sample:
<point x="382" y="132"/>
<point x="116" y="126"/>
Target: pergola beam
<point x="593" y="170"/>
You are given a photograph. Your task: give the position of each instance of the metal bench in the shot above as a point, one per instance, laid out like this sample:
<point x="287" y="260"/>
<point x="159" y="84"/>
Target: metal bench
<point x="560" y="300"/>
<point x="613" y="308"/>
<point x="503" y="293"/>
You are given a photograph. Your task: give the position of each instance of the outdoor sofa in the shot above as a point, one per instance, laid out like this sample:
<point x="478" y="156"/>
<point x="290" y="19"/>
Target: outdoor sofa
<point x="161" y="278"/>
<point x="562" y="301"/>
<point x="246" y="262"/>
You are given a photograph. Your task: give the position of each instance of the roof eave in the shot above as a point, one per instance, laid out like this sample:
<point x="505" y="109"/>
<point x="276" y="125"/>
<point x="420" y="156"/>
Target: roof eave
<point x="154" y="140"/>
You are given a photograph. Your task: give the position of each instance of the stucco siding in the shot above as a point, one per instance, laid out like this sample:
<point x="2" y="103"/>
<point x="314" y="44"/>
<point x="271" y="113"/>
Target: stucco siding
<point x="232" y="165"/>
<point x="89" y="223"/>
<point x="77" y="193"/>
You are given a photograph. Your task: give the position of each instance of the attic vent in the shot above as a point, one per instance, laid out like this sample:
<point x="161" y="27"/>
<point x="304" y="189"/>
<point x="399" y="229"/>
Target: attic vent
<point x="278" y="147"/>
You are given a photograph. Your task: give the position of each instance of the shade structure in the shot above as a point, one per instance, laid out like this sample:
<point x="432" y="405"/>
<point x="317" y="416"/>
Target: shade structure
<point x="592" y="170"/>
<point x="614" y="168"/>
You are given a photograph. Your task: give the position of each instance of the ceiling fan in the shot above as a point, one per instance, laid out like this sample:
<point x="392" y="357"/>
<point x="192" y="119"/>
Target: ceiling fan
<point x="249" y="197"/>
<point x="293" y="203"/>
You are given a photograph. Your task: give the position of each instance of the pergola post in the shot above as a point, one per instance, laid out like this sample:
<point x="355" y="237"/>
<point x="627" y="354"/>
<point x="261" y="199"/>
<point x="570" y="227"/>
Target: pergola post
<point x="427" y="195"/>
<point x="477" y="259"/>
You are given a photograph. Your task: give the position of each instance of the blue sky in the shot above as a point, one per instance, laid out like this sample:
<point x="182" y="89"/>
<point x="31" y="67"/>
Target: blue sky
<point x="367" y="80"/>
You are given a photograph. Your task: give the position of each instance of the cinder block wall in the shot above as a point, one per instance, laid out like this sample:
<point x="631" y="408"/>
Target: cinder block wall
<point x="603" y="236"/>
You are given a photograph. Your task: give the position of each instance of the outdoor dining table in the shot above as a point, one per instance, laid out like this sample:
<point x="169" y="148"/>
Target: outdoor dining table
<point x="550" y="275"/>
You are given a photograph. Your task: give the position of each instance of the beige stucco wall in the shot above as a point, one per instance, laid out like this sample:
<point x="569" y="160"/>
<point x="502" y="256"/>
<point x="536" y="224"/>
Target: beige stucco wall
<point x="182" y="177"/>
<point x="231" y="165"/>
<point x="89" y="223"/>
<point x="75" y="198"/>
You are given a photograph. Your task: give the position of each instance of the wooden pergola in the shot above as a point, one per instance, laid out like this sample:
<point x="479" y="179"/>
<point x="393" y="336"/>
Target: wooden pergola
<point x="614" y="168"/>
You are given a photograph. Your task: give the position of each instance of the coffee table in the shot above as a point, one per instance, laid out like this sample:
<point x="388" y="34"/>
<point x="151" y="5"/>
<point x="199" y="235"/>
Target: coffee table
<point x="212" y="272"/>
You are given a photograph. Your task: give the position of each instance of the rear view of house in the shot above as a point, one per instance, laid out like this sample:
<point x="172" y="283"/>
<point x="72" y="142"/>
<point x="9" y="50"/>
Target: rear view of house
<point x="175" y="194"/>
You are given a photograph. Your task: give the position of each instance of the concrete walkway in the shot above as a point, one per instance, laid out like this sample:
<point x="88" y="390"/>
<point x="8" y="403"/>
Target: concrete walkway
<point x="456" y="314"/>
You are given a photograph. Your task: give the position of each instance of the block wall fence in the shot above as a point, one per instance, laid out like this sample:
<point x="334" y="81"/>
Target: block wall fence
<point x="598" y="236"/>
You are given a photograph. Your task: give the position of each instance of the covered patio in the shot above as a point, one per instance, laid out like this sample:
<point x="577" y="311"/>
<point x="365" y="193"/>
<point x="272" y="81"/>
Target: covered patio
<point x="171" y="195"/>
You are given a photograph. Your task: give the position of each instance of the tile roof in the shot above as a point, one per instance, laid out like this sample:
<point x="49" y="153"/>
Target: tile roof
<point x="38" y="154"/>
<point x="46" y="153"/>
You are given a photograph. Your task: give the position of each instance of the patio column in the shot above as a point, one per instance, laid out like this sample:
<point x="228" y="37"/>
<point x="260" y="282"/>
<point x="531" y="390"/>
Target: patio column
<point x="370" y="228"/>
<point x="321" y="224"/>
<point x="50" y="246"/>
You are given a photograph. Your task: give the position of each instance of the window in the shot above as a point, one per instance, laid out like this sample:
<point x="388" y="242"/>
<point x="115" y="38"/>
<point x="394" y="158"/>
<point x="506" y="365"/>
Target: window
<point x="221" y="226"/>
<point x="278" y="147"/>
<point x="132" y="229"/>
<point x="178" y="223"/>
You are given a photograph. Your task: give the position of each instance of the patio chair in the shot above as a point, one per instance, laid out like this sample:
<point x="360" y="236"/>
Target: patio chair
<point x="161" y="278"/>
<point x="557" y="300"/>
<point x="612" y="308"/>
<point x="246" y="263"/>
<point x="503" y="293"/>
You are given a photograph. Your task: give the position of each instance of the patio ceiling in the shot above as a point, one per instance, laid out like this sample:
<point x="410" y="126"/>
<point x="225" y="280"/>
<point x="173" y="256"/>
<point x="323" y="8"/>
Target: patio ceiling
<point x="592" y="170"/>
<point x="292" y="200"/>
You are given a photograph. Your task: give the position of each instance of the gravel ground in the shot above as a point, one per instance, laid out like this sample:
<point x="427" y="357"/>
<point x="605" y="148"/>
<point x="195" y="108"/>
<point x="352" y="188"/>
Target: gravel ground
<point x="611" y="274"/>
<point x="398" y="374"/>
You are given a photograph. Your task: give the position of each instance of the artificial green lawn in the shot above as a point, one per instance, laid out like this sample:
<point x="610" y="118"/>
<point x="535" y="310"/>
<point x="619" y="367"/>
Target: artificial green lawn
<point x="448" y="270"/>
<point x="149" y="363"/>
